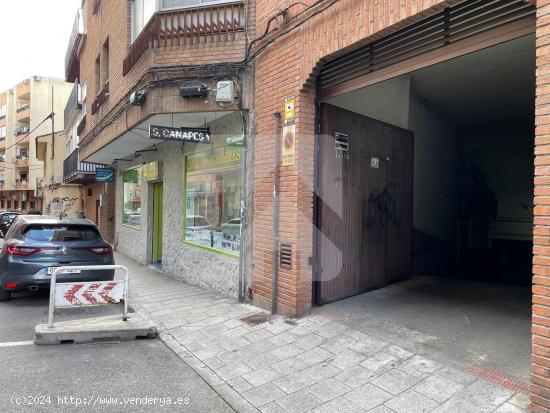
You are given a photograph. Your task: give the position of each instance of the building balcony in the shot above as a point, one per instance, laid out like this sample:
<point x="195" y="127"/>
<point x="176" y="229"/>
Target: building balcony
<point x="23" y="90"/>
<point x="77" y="172"/>
<point x="78" y="35"/>
<point x="211" y="23"/>
<point x="21" y="162"/>
<point x="73" y="106"/>
<point x="21" y="130"/>
<point x="21" y="185"/>
<point x="23" y="112"/>
<point x="2" y="146"/>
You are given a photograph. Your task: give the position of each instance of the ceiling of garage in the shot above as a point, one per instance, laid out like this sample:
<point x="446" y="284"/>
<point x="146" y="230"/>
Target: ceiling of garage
<point x="493" y="85"/>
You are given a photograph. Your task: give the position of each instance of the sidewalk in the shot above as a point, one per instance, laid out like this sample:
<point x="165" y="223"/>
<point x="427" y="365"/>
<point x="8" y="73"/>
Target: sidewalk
<point x="312" y="364"/>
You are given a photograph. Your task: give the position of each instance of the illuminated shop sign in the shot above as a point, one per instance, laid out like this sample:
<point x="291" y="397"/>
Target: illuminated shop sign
<point x="193" y="135"/>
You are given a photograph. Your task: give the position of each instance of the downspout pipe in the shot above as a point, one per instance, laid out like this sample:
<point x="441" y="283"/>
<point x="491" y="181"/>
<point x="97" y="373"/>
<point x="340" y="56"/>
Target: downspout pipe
<point x="275" y="232"/>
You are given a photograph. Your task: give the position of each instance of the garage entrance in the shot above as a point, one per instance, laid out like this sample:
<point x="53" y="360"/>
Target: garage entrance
<point x="428" y="176"/>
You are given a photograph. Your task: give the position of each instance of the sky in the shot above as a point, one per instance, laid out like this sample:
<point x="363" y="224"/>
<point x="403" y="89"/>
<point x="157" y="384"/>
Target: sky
<point x="34" y="34"/>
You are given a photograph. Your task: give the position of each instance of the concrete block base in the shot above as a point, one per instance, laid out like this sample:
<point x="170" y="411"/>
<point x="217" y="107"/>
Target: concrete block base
<point x="95" y="330"/>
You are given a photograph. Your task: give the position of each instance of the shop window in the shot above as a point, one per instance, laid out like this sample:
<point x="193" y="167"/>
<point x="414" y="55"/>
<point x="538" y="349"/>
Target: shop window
<point x="213" y="199"/>
<point x="132" y="197"/>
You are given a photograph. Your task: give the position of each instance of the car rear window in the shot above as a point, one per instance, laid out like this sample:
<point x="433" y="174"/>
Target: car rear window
<point x="51" y="233"/>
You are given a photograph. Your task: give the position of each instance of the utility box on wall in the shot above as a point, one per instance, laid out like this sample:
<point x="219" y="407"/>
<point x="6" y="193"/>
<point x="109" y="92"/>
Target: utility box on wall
<point x="224" y="91"/>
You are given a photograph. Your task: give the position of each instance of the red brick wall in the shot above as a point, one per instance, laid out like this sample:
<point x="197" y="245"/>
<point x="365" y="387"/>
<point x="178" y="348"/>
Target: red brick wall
<point x="540" y="386"/>
<point x="282" y="70"/>
<point x="112" y="21"/>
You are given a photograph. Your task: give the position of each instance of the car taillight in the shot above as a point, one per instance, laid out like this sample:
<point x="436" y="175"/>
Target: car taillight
<point x="12" y="250"/>
<point x="101" y="250"/>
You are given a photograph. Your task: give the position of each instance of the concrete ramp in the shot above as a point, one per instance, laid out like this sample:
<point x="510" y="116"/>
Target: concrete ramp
<point x="95" y="330"/>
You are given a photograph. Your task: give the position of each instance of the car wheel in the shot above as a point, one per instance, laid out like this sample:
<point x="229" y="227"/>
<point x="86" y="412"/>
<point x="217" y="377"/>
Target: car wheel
<point x="4" y="295"/>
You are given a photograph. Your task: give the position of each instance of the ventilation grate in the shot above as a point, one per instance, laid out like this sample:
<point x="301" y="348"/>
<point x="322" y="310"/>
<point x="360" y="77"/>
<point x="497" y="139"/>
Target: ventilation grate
<point x="285" y="256"/>
<point x="451" y="25"/>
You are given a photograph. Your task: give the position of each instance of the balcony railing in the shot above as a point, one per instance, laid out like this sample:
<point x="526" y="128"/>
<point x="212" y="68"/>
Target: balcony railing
<point x="73" y="103"/>
<point x="202" y="24"/>
<point x="21" y="130"/>
<point x="75" y="171"/>
<point x="71" y="55"/>
<point x="21" y="185"/>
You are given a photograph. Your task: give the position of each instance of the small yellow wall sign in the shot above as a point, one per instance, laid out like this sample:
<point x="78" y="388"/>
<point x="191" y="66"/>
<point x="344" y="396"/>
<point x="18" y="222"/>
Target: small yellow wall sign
<point x="289" y="110"/>
<point x="289" y="145"/>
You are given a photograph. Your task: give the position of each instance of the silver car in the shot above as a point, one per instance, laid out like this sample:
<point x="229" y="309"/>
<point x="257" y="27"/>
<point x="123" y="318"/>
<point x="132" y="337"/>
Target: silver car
<point x="35" y="245"/>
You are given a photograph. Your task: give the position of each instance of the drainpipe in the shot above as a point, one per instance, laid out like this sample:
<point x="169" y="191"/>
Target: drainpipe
<point x="275" y="238"/>
<point x="244" y="198"/>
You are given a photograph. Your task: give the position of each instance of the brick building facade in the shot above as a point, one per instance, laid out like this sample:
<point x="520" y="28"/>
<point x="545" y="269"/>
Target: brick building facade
<point x="289" y="62"/>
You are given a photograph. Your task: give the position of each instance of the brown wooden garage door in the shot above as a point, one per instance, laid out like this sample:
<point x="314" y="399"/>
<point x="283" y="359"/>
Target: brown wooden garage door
<point x="364" y="204"/>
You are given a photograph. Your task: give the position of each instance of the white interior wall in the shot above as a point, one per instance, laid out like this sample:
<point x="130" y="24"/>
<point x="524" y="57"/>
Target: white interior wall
<point x="386" y="101"/>
<point x="435" y="172"/>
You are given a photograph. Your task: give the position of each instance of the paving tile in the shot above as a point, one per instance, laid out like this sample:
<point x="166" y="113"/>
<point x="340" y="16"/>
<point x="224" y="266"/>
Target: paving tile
<point x="304" y="328"/>
<point x="235" y="332"/>
<point x="347" y="358"/>
<point x="232" y="343"/>
<point x="340" y="405"/>
<point x="290" y="365"/>
<point x="419" y="366"/>
<point x="458" y="405"/>
<point x="259" y="347"/>
<point x="233" y="370"/>
<point x="258" y="335"/>
<point x="209" y="352"/>
<point x="214" y="330"/>
<point x="395" y="381"/>
<point x="356" y="376"/>
<point x="286" y="351"/>
<point x="214" y="363"/>
<point x="283" y="339"/>
<point x="261" y="376"/>
<point x="332" y="329"/>
<point x="232" y="356"/>
<point x="485" y="394"/>
<point x="369" y="346"/>
<point x="277" y="327"/>
<point x="295" y="381"/>
<point x="509" y="408"/>
<point x="322" y="371"/>
<point x="381" y="409"/>
<point x="316" y="356"/>
<point x="309" y="342"/>
<point x="456" y="375"/>
<point x="411" y="402"/>
<point x="261" y="395"/>
<point x="299" y="402"/>
<point x="521" y="400"/>
<point x="368" y="396"/>
<point x="398" y="352"/>
<point x="329" y="389"/>
<point x="234" y="399"/>
<point x="261" y="360"/>
<point x="438" y="388"/>
<point x="272" y="407"/>
<point x="337" y="344"/>
<point x="380" y="363"/>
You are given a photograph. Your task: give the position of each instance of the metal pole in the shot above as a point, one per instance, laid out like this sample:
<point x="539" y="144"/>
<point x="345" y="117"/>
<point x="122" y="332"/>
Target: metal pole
<point x="126" y="281"/>
<point x="275" y="237"/>
<point x="52" y="298"/>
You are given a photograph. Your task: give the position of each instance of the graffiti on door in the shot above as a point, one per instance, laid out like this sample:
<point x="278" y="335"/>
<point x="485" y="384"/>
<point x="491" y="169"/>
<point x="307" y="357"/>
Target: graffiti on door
<point x="385" y="204"/>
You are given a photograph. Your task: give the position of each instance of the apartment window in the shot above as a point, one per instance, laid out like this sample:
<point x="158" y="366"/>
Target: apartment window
<point x="9" y="205"/>
<point x="97" y="75"/>
<point x="142" y="11"/>
<point x="2" y="132"/>
<point x="3" y="111"/>
<point x="105" y="74"/>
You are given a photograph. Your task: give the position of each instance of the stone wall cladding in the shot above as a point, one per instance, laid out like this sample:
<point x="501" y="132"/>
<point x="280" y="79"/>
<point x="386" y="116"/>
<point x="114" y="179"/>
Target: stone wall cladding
<point x="208" y="270"/>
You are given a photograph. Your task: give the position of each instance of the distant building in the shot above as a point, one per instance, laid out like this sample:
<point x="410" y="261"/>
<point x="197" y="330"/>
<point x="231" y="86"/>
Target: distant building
<point x="23" y="116"/>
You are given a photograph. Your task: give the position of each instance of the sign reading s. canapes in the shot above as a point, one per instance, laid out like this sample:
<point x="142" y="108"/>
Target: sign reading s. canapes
<point x="193" y="135"/>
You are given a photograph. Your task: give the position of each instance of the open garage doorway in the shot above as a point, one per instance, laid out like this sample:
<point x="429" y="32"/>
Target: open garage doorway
<point x="457" y="235"/>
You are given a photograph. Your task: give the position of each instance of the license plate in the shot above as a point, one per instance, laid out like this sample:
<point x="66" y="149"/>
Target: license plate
<point x="52" y="269"/>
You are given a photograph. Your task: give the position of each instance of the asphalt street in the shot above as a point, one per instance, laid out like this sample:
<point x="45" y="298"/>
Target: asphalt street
<point x="142" y="375"/>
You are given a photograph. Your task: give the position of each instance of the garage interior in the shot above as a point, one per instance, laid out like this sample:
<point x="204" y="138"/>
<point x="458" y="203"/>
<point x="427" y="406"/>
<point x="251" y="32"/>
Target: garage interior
<point x="468" y="299"/>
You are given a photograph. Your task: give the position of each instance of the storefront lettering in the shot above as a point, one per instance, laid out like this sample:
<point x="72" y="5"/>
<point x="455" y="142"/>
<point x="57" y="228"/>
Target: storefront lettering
<point x="219" y="158"/>
<point x="195" y="135"/>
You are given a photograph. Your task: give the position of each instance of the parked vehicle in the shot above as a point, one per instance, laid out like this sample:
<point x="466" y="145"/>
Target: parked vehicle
<point x="196" y="222"/>
<point x="35" y="245"/>
<point x="6" y="219"/>
<point x="232" y="228"/>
